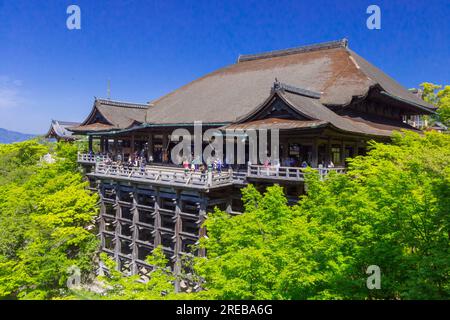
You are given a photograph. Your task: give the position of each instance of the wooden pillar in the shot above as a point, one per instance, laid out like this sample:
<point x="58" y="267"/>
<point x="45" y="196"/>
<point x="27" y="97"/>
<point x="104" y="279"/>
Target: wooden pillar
<point x="202" y="231"/>
<point x="315" y="153"/>
<point x="115" y="148"/>
<point x="90" y="143"/>
<point x="150" y="147"/>
<point x="117" y="229"/>
<point x="328" y="151"/>
<point x="342" y="150"/>
<point x="134" y="253"/>
<point x="132" y="143"/>
<point x="157" y="223"/>
<point x="106" y="140"/>
<point x="165" y="143"/>
<point x="178" y="244"/>
<point x="102" y="145"/>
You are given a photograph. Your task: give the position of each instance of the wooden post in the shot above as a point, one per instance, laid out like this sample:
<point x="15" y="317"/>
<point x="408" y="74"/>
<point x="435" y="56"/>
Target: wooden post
<point x="178" y="245"/>
<point x="150" y="147"/>
<point x="132" y="143"/>
<point x="90" y="144"/>
<point x="157" y="223"/>
<point x="165" y="143"/>
<point x="106" y="144"/>
<point x="134" y="253"/>
<point x="115" y="148"/>
<point x="315" y="154"/>
<point x="328" y="151"/>
<point x="202" y="231"/>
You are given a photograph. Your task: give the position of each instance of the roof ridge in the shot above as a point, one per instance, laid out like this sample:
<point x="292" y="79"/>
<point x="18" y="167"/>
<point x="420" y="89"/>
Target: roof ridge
<point x="297" y="90"/>
<point x="116" y="103"/>
<point x="343" y="43"/>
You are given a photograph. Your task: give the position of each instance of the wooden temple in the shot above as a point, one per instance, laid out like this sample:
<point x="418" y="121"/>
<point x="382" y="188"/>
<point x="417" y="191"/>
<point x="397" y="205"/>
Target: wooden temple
<point x="58" y="130"/>
<point x="325" y="101"/>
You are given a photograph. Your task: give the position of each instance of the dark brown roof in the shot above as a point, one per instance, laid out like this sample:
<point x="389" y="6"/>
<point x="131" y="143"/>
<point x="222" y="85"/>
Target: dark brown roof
<point x="233" y="91"/>
<point x="315" y="110"/>
<point x="58" y="129"/>
<point x="317" y="114"/>
<point x="92" y="127"/>
<point x="275" y="123"/>
<point x="115" y="114"/>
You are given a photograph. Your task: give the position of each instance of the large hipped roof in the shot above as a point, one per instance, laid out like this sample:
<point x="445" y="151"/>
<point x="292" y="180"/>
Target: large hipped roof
<point x="233" y="91"/>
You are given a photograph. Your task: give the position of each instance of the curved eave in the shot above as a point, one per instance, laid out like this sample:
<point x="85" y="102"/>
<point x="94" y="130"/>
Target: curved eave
<point x="155" y="125"/>
<point x="416" y="105"/>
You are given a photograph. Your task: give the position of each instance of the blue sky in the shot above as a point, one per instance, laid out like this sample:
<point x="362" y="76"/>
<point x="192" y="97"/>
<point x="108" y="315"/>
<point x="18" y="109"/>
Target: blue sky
<point x="148" y="48"/>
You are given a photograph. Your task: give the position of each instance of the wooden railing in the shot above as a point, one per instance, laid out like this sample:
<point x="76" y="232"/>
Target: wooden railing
<point x="177" y="176"/>
<point x="90" y="158"/>
<point x="169" y="176"/>
<point x="285" y="173"/>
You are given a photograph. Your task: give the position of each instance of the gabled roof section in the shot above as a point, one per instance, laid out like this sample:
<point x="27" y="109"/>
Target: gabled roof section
<point x="229" y="93"/>
<point x="58" y="129"/>
<point x="390" y="86"/>
<point x="109" y="114"/>
<point x="312" y="114"/>
<point x="309" y="103"/>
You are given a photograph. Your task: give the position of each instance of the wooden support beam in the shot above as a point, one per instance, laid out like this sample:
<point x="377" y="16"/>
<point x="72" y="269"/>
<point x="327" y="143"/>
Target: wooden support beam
<point x="150" y="147"/>
<point x="132" y="143"/>
<point x="117" y="229"/>
<point x="315" y="153"/>
<point x="90" y="143"/>
<point x="157" y="223"/>
<point x="135" y="211"/>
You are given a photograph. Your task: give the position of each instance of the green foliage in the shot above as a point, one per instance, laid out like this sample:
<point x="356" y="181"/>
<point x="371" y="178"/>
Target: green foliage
<point x="45" y="212"/>
<point x="391" y="209"/>
<point x="116" y="286"/>
<point x="438" y="97"/>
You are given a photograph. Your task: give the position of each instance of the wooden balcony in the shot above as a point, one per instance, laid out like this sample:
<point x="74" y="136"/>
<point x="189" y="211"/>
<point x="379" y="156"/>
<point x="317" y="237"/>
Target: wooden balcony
<point x="176" y="176"/>
<point x="285" y="173"/>
<point x="86" y="158"/>
<point x="168" y="176"/>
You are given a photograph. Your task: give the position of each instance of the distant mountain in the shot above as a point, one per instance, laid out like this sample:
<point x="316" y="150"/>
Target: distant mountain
<point x="7" y="136"/>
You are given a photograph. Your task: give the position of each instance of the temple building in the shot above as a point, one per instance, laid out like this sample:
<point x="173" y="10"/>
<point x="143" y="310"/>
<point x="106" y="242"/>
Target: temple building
<point x="324" y="100"/>
<point x="58" y="130"/>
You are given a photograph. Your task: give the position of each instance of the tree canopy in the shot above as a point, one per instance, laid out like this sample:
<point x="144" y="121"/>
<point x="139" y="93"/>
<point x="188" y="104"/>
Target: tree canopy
<point x="391" y="210"/>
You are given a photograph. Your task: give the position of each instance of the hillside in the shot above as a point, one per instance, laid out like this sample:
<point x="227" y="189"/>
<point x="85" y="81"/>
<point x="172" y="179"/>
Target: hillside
<point x="7" y="136"/>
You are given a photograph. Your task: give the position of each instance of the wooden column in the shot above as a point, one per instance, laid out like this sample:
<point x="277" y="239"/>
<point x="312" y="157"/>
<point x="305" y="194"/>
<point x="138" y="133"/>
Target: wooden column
<point x="117" y="229"/>
<point x="150" y="147"/>
<point x="106" y="141"/>
<point x="134" y="253"/>
<point x="342" y="150"/>
<point x="328" y="151"/>
<point x="202" y="231"/>
<point x="115" y="149"/>
<point x="165" y="143"/>
<point x="90" y="143"/>
<point x="315" y="153"/>
<point x="132" y="143"/>
<point x="102" y="144"/>
<point x="178" y="245"/>
<point x="157" y="223"/>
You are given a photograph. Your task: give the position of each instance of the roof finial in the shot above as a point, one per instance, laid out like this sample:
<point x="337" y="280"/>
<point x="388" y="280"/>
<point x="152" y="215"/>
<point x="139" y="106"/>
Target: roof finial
<point x="276" y="85"/>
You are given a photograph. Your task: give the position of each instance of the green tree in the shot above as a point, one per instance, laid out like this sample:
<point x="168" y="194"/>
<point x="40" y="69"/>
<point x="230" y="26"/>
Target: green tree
<point x="45" y="216"/>
<point x="439" y="97"/>
<point x="391" y="209"/>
